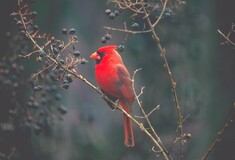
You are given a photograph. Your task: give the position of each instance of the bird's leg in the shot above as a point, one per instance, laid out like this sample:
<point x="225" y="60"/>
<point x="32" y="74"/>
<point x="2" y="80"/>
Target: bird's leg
<point x="116" y="104"/>
<point x="111" y="105"/>
<point x="115" y="100"/>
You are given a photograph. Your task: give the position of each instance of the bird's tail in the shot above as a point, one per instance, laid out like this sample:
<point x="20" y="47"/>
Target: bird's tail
<point x="128" y="131"/>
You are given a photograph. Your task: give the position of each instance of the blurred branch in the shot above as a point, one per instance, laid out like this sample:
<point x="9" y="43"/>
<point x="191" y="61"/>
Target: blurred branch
<point x="220" y="133"/>
<point x="9" y="156"/>
<point x="227" y="37"/>
<point x="127" y="30"/>
<point x="161" y="14"/>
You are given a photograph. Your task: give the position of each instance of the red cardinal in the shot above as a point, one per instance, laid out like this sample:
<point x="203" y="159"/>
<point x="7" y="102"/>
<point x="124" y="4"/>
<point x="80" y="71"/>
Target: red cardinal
<point x="114" y="80"/>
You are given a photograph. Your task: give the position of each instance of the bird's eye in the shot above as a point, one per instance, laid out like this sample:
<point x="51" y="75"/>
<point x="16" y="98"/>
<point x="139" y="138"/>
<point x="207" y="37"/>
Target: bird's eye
<point x="100" y="53"/>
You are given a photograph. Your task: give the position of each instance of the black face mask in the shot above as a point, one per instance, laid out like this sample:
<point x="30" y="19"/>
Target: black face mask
<point x="101" y="54"/>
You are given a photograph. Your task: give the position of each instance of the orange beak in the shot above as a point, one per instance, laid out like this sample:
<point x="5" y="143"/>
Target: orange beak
<point x="95" y="56"/>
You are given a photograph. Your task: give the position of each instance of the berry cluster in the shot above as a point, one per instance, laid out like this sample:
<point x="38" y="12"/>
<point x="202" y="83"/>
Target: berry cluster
<point x="113" y="14"/>
<point x="10" y="71"/>
<point x="106" y="38"/>
<point x="52" y="52"/>
<point x="57" y="58"/>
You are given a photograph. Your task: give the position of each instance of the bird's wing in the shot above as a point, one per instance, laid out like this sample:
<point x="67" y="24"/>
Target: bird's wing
<point x="125" y="84"/>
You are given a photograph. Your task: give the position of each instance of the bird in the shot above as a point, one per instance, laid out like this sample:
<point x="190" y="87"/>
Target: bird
<point x="115" y="82"/>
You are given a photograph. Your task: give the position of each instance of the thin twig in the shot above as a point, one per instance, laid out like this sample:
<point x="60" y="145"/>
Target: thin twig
<point x="127" y="31"/>
<point x="41" y="71"/>
<point x="173" y="83"/>
<point x="154" y="109"/>
<point x="161" y="14"/>
<point x="220" y="134"/>
<point x="226" y="37"/>
<point x="28" y="55"/>
<point x="145" y="115"/>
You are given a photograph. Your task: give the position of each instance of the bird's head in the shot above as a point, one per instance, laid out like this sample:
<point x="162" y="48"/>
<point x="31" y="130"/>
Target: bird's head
<point x="104" y="52"/>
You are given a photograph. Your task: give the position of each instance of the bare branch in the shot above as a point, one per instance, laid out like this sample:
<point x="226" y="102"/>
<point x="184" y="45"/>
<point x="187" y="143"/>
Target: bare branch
<point x="41" y="71"/>
<point x="227" y="38"/>
<point x="145" y="115"/>
<point x="173" y="83"/>
<point x="154" y="109"/>
<point x="127" y="31"/>
<point x="160" y="16"/>
<point x="220" y="133"/>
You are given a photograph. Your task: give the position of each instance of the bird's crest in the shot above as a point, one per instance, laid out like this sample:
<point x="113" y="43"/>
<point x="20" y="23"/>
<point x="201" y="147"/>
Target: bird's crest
<point x="105" y="49"/>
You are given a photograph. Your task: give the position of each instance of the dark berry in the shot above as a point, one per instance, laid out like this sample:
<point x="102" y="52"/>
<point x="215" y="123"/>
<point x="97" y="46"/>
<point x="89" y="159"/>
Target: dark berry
<point x="108" y="36"/>
<point x="34" y="14"/>
<point x="69" y="77"/>
<point x="72" y="31"/>
<point x="103" y="40"/>
<point x="107" y="12"/>
<point x="20" y="25"/>
<point x="112" y="15"/>
<point x="76" y="53"/>
<point x="58" y="96"/>
<point x="116" y="12"/>
<point x="52" y="88"/>
<point x="64" y="31"/>
<point x="41" y="123"/>
<point x="135" y="26"/>
<point x="62" y="61"/>
<point x="52" y="76"/>
<point x="55" y="50"/>
<point x="167" y="14"/>
<point x="43" y="101"/>
<point x="30" y="104"/>
<point x="35" y="104"/>
<point x="15" y="19"/>
<point x="42" y="53"/>
<point x="65" y="81"/>
<point x="35" y="27"/>
<point x="65" y="85"/>
<point x="61" y="46"/>
<point x="121" y="47"/>
<point x="37" y="88"/>
<point x="62" y="109"/>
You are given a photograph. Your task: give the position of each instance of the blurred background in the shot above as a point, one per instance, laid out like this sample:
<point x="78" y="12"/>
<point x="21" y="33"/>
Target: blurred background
<point x="202" y="67"/>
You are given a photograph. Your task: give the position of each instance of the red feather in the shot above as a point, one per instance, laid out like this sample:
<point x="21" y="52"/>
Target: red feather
<point x="114" y="79"/>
